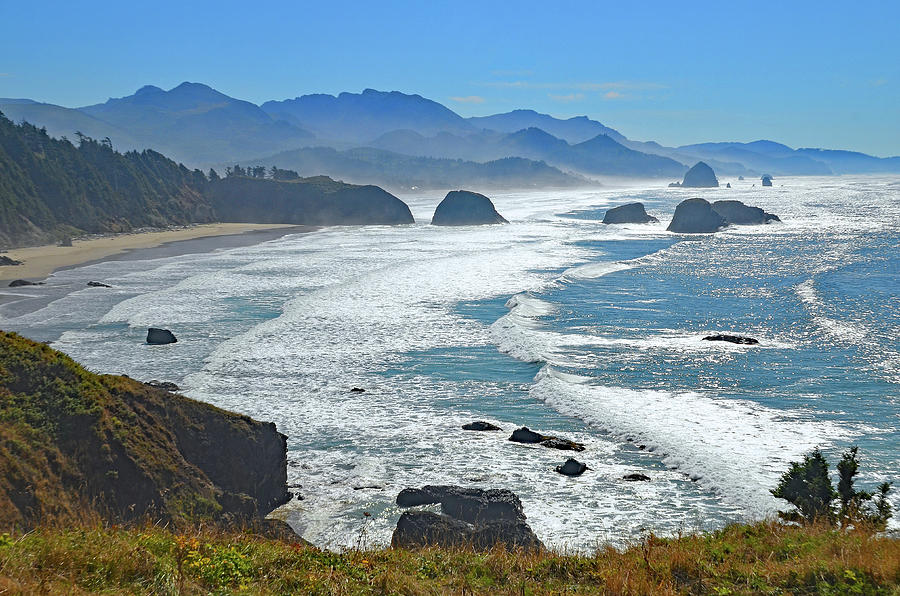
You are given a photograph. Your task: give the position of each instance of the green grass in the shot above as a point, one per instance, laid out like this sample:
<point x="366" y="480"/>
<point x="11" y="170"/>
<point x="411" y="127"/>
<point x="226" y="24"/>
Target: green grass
<point x="763" y="558"/>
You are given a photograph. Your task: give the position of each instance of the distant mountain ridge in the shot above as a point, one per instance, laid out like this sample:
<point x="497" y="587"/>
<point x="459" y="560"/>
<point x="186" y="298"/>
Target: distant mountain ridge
<point x="200" y="126"/>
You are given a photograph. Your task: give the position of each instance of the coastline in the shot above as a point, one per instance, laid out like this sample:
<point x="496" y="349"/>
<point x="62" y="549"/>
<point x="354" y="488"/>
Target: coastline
<point x="39" y="262"/>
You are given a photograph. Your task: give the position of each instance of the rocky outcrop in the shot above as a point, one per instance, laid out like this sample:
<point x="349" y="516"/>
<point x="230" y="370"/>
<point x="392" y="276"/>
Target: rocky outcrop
<point x="480" y="425"/>
<point x="465" y="208"/>
<point x="526" y="435"/>
<point x="318" y="201"/>
<point x="97" y="284"/>
<point x="630" y="213"/>
<point x="735" y="212"/>
<point x="766" y="180"/>
<point x="17" y="283"/>
<point x="105" y="445"/>
<point x="700" y="176"/>
<point x="636" y="477"/>
<point x="696" y="216"/>
<point x="5" y="260"/>
<point x="572" y="467"/>
<point x="159" y="337"/>
<point x="471" y="517"/>
<point x="735" y="339"/>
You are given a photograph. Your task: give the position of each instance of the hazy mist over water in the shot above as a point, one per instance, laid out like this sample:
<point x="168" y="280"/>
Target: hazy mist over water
<point x="556" y="322"/>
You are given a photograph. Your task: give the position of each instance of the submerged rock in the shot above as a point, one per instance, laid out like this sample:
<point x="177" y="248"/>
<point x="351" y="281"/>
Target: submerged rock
<point x="480" y="425"/>
<point x="696" y="216"/>
<point x="630" y="213"/>
<point x="572" y="467"/>
<point x="16" y="283"/>
<point x="636" y="477"/>
<point x="563" y="444"/>
<point x="735" y="212"/>
<point x="471" y="517"/>
<point x="159" y="337"/>
<point x="465" y="208"/>
<point x="97" y="284"/>
<point x="735" y="339"/>
<point x="700" y="176"/>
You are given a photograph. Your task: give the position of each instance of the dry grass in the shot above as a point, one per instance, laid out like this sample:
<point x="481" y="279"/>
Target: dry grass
<point x="764" y="558"/>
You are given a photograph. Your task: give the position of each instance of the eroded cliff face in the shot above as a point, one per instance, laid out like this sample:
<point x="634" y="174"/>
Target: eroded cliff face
<point x="77" y="445"/>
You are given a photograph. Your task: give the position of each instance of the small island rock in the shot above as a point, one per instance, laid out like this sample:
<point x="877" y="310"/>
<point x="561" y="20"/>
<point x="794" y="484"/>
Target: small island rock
<point x="572" y="467"/>
<point x="465" y="208"/>
<point x="766" y="180"/>
<point x="735" y="339"/>
<point x="97" y="284"/>
<point x="696" y="216"/>
<point x="480" y="425"/>
<point x="158" y="337"/>
<point x="630" y="213"/>
<point x="16" y="283"/>
<point x="636" y="477"/>
<point x="700" y="176"/>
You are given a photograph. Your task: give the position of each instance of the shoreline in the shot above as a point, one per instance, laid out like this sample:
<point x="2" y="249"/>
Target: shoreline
<point x="40" y="262"/>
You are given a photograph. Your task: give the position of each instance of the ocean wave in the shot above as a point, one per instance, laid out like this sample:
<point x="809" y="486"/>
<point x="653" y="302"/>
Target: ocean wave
<point x="737" y="448"/>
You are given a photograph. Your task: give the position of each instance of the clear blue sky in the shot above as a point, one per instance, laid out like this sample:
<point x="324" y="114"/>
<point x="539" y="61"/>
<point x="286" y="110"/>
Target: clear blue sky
<point x="820" y="73"/>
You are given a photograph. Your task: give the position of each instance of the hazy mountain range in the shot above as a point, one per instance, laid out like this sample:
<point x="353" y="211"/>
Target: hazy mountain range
<point x="403" y="140"/>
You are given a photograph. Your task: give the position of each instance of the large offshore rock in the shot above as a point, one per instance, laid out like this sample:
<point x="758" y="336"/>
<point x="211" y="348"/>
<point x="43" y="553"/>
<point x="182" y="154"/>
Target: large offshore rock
<point x="696" y="216"/>
<point x="700" y="176"/>
<point x="465" y="208"/>
<point x="159" y="337"/>
<point x="630" y="213"/>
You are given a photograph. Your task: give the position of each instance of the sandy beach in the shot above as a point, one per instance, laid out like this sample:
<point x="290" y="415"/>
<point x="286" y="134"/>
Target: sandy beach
<point x="38" y="262"/>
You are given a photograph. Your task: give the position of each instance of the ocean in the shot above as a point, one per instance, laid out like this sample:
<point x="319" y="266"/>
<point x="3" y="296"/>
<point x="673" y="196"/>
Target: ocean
<point x="556" y="322"/>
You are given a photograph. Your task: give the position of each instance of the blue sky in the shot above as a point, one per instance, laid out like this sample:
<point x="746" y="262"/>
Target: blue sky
<point x="823" y="74"/>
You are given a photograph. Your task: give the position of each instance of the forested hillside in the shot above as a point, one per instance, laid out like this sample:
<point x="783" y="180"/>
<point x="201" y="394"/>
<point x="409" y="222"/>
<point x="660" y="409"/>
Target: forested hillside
<point x="51" y="188"/>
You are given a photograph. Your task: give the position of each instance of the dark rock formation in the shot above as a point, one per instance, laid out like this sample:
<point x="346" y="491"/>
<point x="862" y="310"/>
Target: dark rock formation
<point x="766" y="180"/>
<point x="113" y="447"/>
<point x="357" y="390"/>
<point x="16" y="283"/>
<point x="5" y="260"/>
<point x="735" y="339"/>
<point x="317" y="201"/>
<point x="465" y="208"/>
<point x="735" y="212"/>
<point x="728" y="185"/>
<point x="471" y="517"/>
<point x="630" y="213"/>
<point x="97" y="284"/>
<point x="572" y="467"/>
<point x="158" y="337"/>
<point x="674" y="184"/>
<point x="563" y="444"/>
<point x="480" y="425"/>
<point x="526" y="435"/>
<point x="700" y="176"/>
<point x="164" y="385"/>
<point x="636" y="477"/>
<point x="696" y="216"/>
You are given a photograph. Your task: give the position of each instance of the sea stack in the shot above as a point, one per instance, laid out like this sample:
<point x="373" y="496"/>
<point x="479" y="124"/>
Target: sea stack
<point x="630" y="213"/>
<point x="466" y="208"/>
<point x="159" y="337"/>
<point x="700" y="176"/>
<point x="696" y="216"/>
<point x="766" y="180"/>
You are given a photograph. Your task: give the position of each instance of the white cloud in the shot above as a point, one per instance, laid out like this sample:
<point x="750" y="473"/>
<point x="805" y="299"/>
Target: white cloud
<point x="613" y="95"/>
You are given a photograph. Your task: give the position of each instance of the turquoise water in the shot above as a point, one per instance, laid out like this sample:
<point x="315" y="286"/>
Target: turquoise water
<point x="555" y="321"/>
